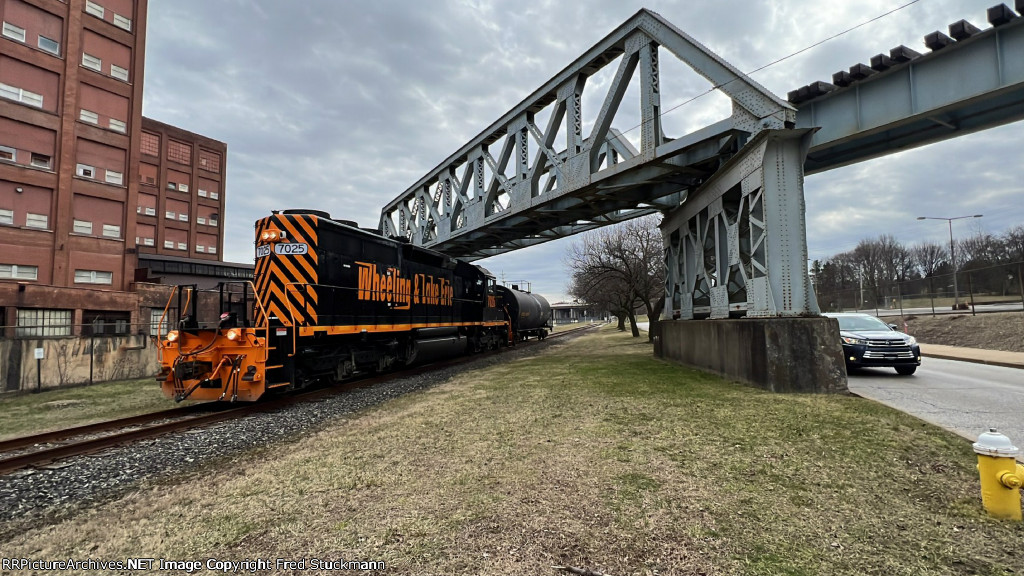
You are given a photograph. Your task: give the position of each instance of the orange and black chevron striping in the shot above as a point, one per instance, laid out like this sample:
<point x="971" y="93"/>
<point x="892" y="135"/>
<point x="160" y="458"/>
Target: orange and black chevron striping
<point x="286" y="276"/>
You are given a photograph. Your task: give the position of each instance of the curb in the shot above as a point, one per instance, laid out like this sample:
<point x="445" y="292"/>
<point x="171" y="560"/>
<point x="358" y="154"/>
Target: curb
<point x="975" y="360"/>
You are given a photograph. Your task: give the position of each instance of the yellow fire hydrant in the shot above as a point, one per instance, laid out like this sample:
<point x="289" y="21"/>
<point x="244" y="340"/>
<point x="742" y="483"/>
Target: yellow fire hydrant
<point x="1001" y="476"/>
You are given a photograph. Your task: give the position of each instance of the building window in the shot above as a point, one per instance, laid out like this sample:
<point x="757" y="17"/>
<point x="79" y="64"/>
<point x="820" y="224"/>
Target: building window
<point x="213" y="222"/>
<point x="85" y="170"/>
<point x="82" y="227"/>
<point x="169" y="244"/>
<point x="43" y="322"/>
<point x="8" y="153"/>
<point x="200" y="248"/>
<point x="111" y="231"/>
<point x="183" y="217"/>
<point x="160" y="322"/>
<point x="37" y="220"/>
<point x="209" y="161"/>
<point x="114" y="177"/>
<point x="150" y="211"/>
<point x="14" y="32"/>
<point x="172" y="186"/>
<point x="118" y="72"/>
<point x="93" y="277"/>
<point x="92" y="62"/>
<point x="19" y="95"/>
<point x="49" y="45"/>
<point x="40" y="161"/>
<point x="211" y="250"/>
<point x="102" y="322"/>
<point x="170" y="215"/>
<point x="122" y="22"/>
<point x="94" y="9"/>
<point x="179" y="152"/>
<point x="118" y="126"/>
<point x="150" y="144"/>
<point x="200" y="220"/>
<point x="6" y="216"/>
<point x="182" y="246"/>
<point x="214" y="196"/>
<point x="202" y="193"/>
<point x="147" y="241"/>
<point x="90" y="117"/>
<point x="17" y="272"/>
<point x="182" y="187"/>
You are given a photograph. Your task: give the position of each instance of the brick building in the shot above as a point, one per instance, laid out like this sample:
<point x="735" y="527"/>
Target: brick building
<point x="71" y="76"/>
<point x="181" y="193"/>
<point x="94" y="198"/>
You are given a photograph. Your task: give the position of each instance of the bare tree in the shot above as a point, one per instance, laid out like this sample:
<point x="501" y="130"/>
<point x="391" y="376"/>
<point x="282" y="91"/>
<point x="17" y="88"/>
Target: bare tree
<point x="621" y="267"/>
<point x="929" y="257"/>
<point x="1013" y="244"/>
<point x="978" y="251"/>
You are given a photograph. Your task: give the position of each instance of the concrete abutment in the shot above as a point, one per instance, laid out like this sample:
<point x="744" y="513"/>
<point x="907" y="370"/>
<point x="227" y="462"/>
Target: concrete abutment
<point x="777" y="354"/>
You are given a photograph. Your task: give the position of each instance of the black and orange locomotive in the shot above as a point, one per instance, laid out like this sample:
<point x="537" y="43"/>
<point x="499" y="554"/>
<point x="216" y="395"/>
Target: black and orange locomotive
<point x="329" y="300"/>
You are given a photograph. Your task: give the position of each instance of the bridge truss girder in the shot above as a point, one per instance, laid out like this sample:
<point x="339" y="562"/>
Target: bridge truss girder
<point x="477" y="204"/>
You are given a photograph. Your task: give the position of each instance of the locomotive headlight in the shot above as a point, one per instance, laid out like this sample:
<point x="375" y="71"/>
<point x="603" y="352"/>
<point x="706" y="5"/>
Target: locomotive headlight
<point x="172" y="336"/>
<point x="233" y="334"/>
<point x="272" y="235"/>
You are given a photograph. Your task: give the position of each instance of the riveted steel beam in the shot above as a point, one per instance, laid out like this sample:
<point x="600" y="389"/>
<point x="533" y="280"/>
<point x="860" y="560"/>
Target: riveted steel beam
<point x="965" y="86"/>
<point x="738" y="245"/>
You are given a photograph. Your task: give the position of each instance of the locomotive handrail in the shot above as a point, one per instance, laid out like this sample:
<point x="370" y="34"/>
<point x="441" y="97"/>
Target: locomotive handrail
<point x="266" y="321"/>
<point x="289" y="288"/>
<point x="160" y="324"/>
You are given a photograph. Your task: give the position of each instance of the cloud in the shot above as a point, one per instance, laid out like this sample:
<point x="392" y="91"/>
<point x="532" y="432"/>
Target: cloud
<point x="341" y="106"/>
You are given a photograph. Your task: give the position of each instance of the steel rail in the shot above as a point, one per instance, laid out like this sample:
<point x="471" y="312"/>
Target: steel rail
<point x="13" y="444"/>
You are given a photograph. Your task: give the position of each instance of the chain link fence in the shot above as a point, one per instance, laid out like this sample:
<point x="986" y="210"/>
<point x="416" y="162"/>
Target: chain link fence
<point x="995" y="288"/>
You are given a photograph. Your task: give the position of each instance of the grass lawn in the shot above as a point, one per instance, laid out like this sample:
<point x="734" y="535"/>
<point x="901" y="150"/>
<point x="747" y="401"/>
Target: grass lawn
<point x="27" y="414"/>
<point x="591" y="454"/>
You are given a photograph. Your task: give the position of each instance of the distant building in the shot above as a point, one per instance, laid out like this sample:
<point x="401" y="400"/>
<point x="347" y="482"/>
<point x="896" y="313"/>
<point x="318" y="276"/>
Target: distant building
<point x="571" y="312"/>
<point x="181" y="193"/>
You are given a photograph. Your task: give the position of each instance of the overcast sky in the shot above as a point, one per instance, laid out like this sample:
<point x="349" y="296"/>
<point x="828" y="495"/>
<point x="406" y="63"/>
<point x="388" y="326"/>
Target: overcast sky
<point x="342" y="105"/>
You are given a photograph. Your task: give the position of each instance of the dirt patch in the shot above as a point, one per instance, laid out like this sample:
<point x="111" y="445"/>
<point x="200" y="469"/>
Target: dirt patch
<point x="992" y="331"/>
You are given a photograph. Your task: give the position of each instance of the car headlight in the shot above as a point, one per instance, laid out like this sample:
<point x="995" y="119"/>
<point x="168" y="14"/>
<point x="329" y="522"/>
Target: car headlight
<point x="850" y="340"/>
<point x="911" y="341"/>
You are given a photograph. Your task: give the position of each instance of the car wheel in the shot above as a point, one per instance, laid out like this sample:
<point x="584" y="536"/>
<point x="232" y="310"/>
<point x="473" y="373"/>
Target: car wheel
<point x="906" y="370"/>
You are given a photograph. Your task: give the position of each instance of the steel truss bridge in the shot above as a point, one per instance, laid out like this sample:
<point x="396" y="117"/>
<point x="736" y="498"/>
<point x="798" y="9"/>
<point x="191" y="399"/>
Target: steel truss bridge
<point x="731" y="192"/>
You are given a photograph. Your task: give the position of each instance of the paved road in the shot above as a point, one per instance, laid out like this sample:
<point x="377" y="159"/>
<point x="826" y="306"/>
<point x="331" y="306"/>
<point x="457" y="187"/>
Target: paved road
<point x="964" y="397"/>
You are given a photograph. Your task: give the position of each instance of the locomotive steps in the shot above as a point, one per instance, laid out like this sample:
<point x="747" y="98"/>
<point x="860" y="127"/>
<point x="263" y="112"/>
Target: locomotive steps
<point x="589" y="454"/>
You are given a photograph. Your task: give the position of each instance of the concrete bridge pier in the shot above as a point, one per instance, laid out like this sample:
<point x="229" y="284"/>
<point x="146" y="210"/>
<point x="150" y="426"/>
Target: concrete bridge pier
<point x="739" y="300"/>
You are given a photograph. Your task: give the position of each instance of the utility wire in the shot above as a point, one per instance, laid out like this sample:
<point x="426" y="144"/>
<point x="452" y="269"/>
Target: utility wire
<point x="783" y="59"/>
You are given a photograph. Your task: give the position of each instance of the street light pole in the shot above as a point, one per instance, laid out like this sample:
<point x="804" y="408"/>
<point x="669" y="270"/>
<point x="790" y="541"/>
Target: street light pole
<point x="952" y="252"/>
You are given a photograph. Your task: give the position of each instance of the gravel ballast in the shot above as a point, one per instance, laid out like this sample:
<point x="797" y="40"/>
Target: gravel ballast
<point x="39" y="496"/>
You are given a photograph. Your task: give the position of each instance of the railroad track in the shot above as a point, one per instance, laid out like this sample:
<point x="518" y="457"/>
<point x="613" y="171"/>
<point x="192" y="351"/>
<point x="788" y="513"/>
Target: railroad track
<point x="44" y="449"/>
